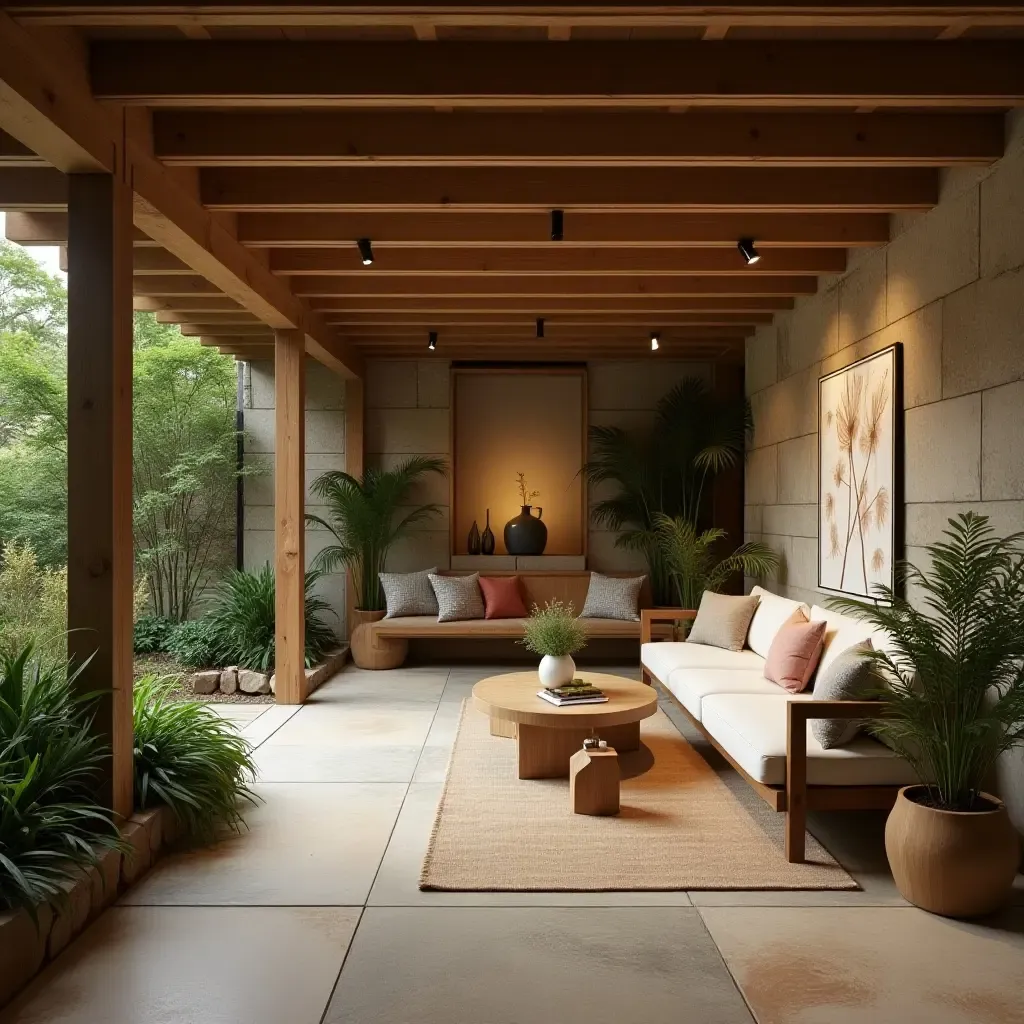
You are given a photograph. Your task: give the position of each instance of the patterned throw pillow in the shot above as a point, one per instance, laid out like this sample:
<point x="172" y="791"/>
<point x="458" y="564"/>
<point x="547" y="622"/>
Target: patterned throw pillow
<point x="613" y="597"/>
<point x="458" y="597"/>
<point x="409" y="593"/>
<point x="852" y="676"/>
<point x="722" y="621"/>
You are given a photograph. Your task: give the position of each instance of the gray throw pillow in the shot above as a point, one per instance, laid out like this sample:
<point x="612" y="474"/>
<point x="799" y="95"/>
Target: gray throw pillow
<point x="613" y="597"/>
<point x="852" y="676"/>
<point x="458" y="597"/>
<point x="409" y="593"/>
<point x="722" y="621"/>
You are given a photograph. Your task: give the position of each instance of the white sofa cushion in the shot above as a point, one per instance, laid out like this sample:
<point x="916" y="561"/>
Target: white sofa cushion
<point x="691" y="685"/>
<point x="841" y="633"/>
<point x="751" y="729"/>
<point x="662" y="659"/>
<point x="773" y="612"/>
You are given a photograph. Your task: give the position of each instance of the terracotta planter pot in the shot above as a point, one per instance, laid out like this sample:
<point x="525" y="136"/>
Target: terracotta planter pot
<point x="954" y="863"/>
<point x="370" y="652"/>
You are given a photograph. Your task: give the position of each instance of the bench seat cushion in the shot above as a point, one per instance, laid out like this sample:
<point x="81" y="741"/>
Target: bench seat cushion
<point x="428" y="626"/>
<point x="663" y="658"/>
<point x="751" y="729"/>
<point x="690" y="686"/>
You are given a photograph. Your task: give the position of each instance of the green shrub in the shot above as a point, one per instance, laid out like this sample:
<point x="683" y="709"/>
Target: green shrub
<point x="555" y="630"/>
<point x="196" y="644"/>
<point x="244" y="617"/>
<point x="51" y="824"/>
<point x="33" y="606"/>
<point x="190" y="760"/>
<point x="153" y="633"/>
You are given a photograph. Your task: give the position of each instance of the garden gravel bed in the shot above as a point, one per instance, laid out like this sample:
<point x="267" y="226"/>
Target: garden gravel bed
<point x="165" y="665"/>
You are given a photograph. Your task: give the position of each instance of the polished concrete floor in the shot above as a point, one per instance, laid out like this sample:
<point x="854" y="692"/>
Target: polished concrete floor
<point x="314" y="915"/>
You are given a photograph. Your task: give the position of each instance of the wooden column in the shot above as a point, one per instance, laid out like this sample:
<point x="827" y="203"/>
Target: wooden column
<point x="289" y="512"/>
<point x="355" y="463"/>
<point x="100" y="551"/>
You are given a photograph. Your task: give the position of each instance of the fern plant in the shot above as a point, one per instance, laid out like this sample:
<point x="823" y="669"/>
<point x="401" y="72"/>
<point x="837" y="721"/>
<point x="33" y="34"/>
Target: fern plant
<point x="364" y="518"/>
<point x="191" y="760"/>
<point x="554" y="630"/>
<point x="694" y="567"/>
<point x="954" y="693"/>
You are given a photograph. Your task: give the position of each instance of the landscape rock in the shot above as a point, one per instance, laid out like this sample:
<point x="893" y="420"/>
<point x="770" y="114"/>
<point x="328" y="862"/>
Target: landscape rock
<point x="253" y="682"/>
<point x="205" y="682"/>
<point x="273" y="683"/>
<point x="229" y="679"/>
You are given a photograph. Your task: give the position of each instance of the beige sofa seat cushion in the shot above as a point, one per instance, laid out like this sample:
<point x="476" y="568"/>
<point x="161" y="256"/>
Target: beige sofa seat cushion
<point x="662" y="659"/>
<point x="751" y="729"/>
<point x="691" y="685"/>
<point x="773" y="612"/>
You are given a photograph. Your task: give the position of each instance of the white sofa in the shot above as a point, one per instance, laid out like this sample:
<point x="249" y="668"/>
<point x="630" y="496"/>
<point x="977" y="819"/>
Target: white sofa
<point x="764" y="730"/>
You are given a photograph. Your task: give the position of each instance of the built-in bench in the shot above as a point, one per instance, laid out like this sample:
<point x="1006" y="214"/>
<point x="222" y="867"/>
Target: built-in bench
<point x="385" y="644"/>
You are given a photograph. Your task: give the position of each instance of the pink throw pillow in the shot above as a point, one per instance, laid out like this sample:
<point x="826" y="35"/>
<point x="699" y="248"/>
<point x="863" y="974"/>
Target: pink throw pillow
<point x="794" y="654"/>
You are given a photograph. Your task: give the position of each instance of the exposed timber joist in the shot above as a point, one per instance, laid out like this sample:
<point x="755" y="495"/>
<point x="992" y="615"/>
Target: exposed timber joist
<point x="427" y="306"/>
<point x="580" y="138"/>
<point x="592" y="322"/>
<point x="41" y="228"/>
<point x="185" y="304"/>
<point x="815" y="73"/>
<point x="14" y="154"/>
<point x="32" y="188"/>
<point x="503" y="188"/>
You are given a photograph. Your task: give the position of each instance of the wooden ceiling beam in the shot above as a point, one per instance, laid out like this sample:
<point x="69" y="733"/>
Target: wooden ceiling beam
<point x="635" y="73"/>
<point x="595" y="320"/>
<point x="553" y="260"/>
<point x="190" y="304"/>
<point x="15" y="154"/>
<point x="224" y="330"/>
<point x="154" y="260"/>
<point x="547" y="305"/>
<point x="507" y="285"/>
<point x="37" y="189"/>
<point x="580" y="138"/>
<point x="558" y="334"/>
<point x="533" y="229"/>
<point x="39" y="228"/>
<point x="174" y="316"/>
<point x="173" y="285"/>
<point x="722" y="189"/>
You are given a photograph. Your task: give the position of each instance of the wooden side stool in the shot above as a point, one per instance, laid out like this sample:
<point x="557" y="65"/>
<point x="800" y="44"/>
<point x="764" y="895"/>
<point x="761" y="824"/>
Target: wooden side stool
<point x="594" y="780"/>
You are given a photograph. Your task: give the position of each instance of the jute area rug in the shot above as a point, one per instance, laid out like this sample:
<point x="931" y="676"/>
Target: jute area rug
<point x="680" y="826"/>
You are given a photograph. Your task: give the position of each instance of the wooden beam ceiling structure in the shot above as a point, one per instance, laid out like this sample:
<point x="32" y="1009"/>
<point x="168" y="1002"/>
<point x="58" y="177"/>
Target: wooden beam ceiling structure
<point x="273" y="137"/>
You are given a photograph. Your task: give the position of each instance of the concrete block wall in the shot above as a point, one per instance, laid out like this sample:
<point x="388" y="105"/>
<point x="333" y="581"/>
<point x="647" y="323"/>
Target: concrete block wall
<point x="325" y="449"/>
<point x="950" y="287"/>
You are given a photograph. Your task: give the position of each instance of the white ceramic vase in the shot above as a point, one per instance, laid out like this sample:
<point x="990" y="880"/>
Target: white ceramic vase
<point x="556" y="671"/>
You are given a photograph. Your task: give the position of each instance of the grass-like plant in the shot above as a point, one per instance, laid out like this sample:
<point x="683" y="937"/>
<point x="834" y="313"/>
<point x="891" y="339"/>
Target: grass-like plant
<point x="51" y="824"/>
<point x="954" y="694"/>
<point x="152" y="634"/>
<point x="244" y="615"/>
<point x="554" y="630"/>
<point x="695" y="567"/>
<point x="364" y="518"/>
<point x="196" y="644"/>
<point x="191" y="760"/>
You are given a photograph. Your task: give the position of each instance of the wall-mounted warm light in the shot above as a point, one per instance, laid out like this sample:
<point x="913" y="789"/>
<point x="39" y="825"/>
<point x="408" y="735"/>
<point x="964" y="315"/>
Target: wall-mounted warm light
<point x="655" y="340"/>
<point x="365" y="251"/>
<point x="748" y="251"/>
<point x="557" y="225"/>
<point x="432" y="343"/>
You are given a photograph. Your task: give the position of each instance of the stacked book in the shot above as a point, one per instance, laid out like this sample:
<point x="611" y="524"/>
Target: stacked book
<point x="576" y="692"/>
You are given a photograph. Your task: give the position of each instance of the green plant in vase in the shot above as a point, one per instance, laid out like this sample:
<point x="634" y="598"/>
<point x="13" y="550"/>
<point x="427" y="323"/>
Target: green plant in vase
<point x="555" y="633"/>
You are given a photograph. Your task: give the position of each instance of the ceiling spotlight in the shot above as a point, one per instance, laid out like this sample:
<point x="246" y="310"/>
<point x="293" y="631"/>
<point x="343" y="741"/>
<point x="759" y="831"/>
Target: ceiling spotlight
<point x="655" y="340"/>
<point x="557" y="223"/>
<point x="540" y="327"/>
<point x="432" y="343"/>
<point x="365" y="251"/>
<point x="748" y="251"/>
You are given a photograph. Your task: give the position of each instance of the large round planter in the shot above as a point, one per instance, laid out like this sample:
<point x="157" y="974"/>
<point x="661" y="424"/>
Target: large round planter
<point x="954" y="863"/>
<point x="374" y="652"/>
<point x="556" y="671"/>
<point x="526" y="534"/>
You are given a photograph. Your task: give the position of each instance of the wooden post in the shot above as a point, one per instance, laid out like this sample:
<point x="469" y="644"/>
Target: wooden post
<point x="355" y="463"/>
<point x="100" y="551"/>
<point x="289" y="511"/>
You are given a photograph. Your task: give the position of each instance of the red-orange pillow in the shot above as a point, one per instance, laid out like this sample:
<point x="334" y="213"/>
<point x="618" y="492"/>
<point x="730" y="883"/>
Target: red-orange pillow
<point x="794" y="654"/>
<point x="503" y="597"/>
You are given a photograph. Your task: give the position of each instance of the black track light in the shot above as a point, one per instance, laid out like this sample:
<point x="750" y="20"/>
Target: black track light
<point x="655" y="340"/>
<point x="557" y="224"/>
<point x="748" y="251"/>
<point x="432" y="343"/>
<point x="540" y="327"/>
<point x="365" y="251"/>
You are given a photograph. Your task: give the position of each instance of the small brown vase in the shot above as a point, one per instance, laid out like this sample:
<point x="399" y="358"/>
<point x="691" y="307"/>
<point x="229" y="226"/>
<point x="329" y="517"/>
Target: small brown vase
<point x="954" y="863"/>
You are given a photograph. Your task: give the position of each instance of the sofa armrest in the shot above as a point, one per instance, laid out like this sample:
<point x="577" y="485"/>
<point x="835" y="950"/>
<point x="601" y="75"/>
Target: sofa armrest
<point x="648" y="616"/>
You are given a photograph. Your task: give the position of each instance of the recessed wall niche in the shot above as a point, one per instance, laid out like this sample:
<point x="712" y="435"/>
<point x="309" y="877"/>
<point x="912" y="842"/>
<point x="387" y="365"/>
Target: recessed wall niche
<point x="507" y="421"/>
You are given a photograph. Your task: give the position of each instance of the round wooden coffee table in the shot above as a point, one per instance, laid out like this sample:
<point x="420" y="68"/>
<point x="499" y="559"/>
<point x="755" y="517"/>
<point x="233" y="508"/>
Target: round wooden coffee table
<point x="547" y="735"/>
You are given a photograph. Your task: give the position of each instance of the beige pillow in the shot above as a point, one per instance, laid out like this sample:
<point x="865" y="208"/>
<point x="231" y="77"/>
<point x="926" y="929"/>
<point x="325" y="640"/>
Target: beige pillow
<point x="773" y="612"/>
<point x="722" y="621"/>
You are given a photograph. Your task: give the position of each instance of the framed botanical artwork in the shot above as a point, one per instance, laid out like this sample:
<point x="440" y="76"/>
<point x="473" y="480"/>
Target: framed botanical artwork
<point x="860" y="474"/>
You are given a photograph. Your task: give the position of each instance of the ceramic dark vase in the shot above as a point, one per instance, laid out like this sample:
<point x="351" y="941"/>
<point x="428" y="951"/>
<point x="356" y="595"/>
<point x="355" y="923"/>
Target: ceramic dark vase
<point x="526" y="534"/>
<point x="487" y="540"/>
<point x="473" y="540"/>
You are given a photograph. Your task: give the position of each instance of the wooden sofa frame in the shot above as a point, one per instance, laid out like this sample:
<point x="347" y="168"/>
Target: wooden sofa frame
<point x="796" y="797"/>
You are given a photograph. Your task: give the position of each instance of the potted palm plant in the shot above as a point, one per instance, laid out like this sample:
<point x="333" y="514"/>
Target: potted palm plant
<point x="364" y="518"/>
<point x="695" y="436"/>
<point x="953" y="703"/>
